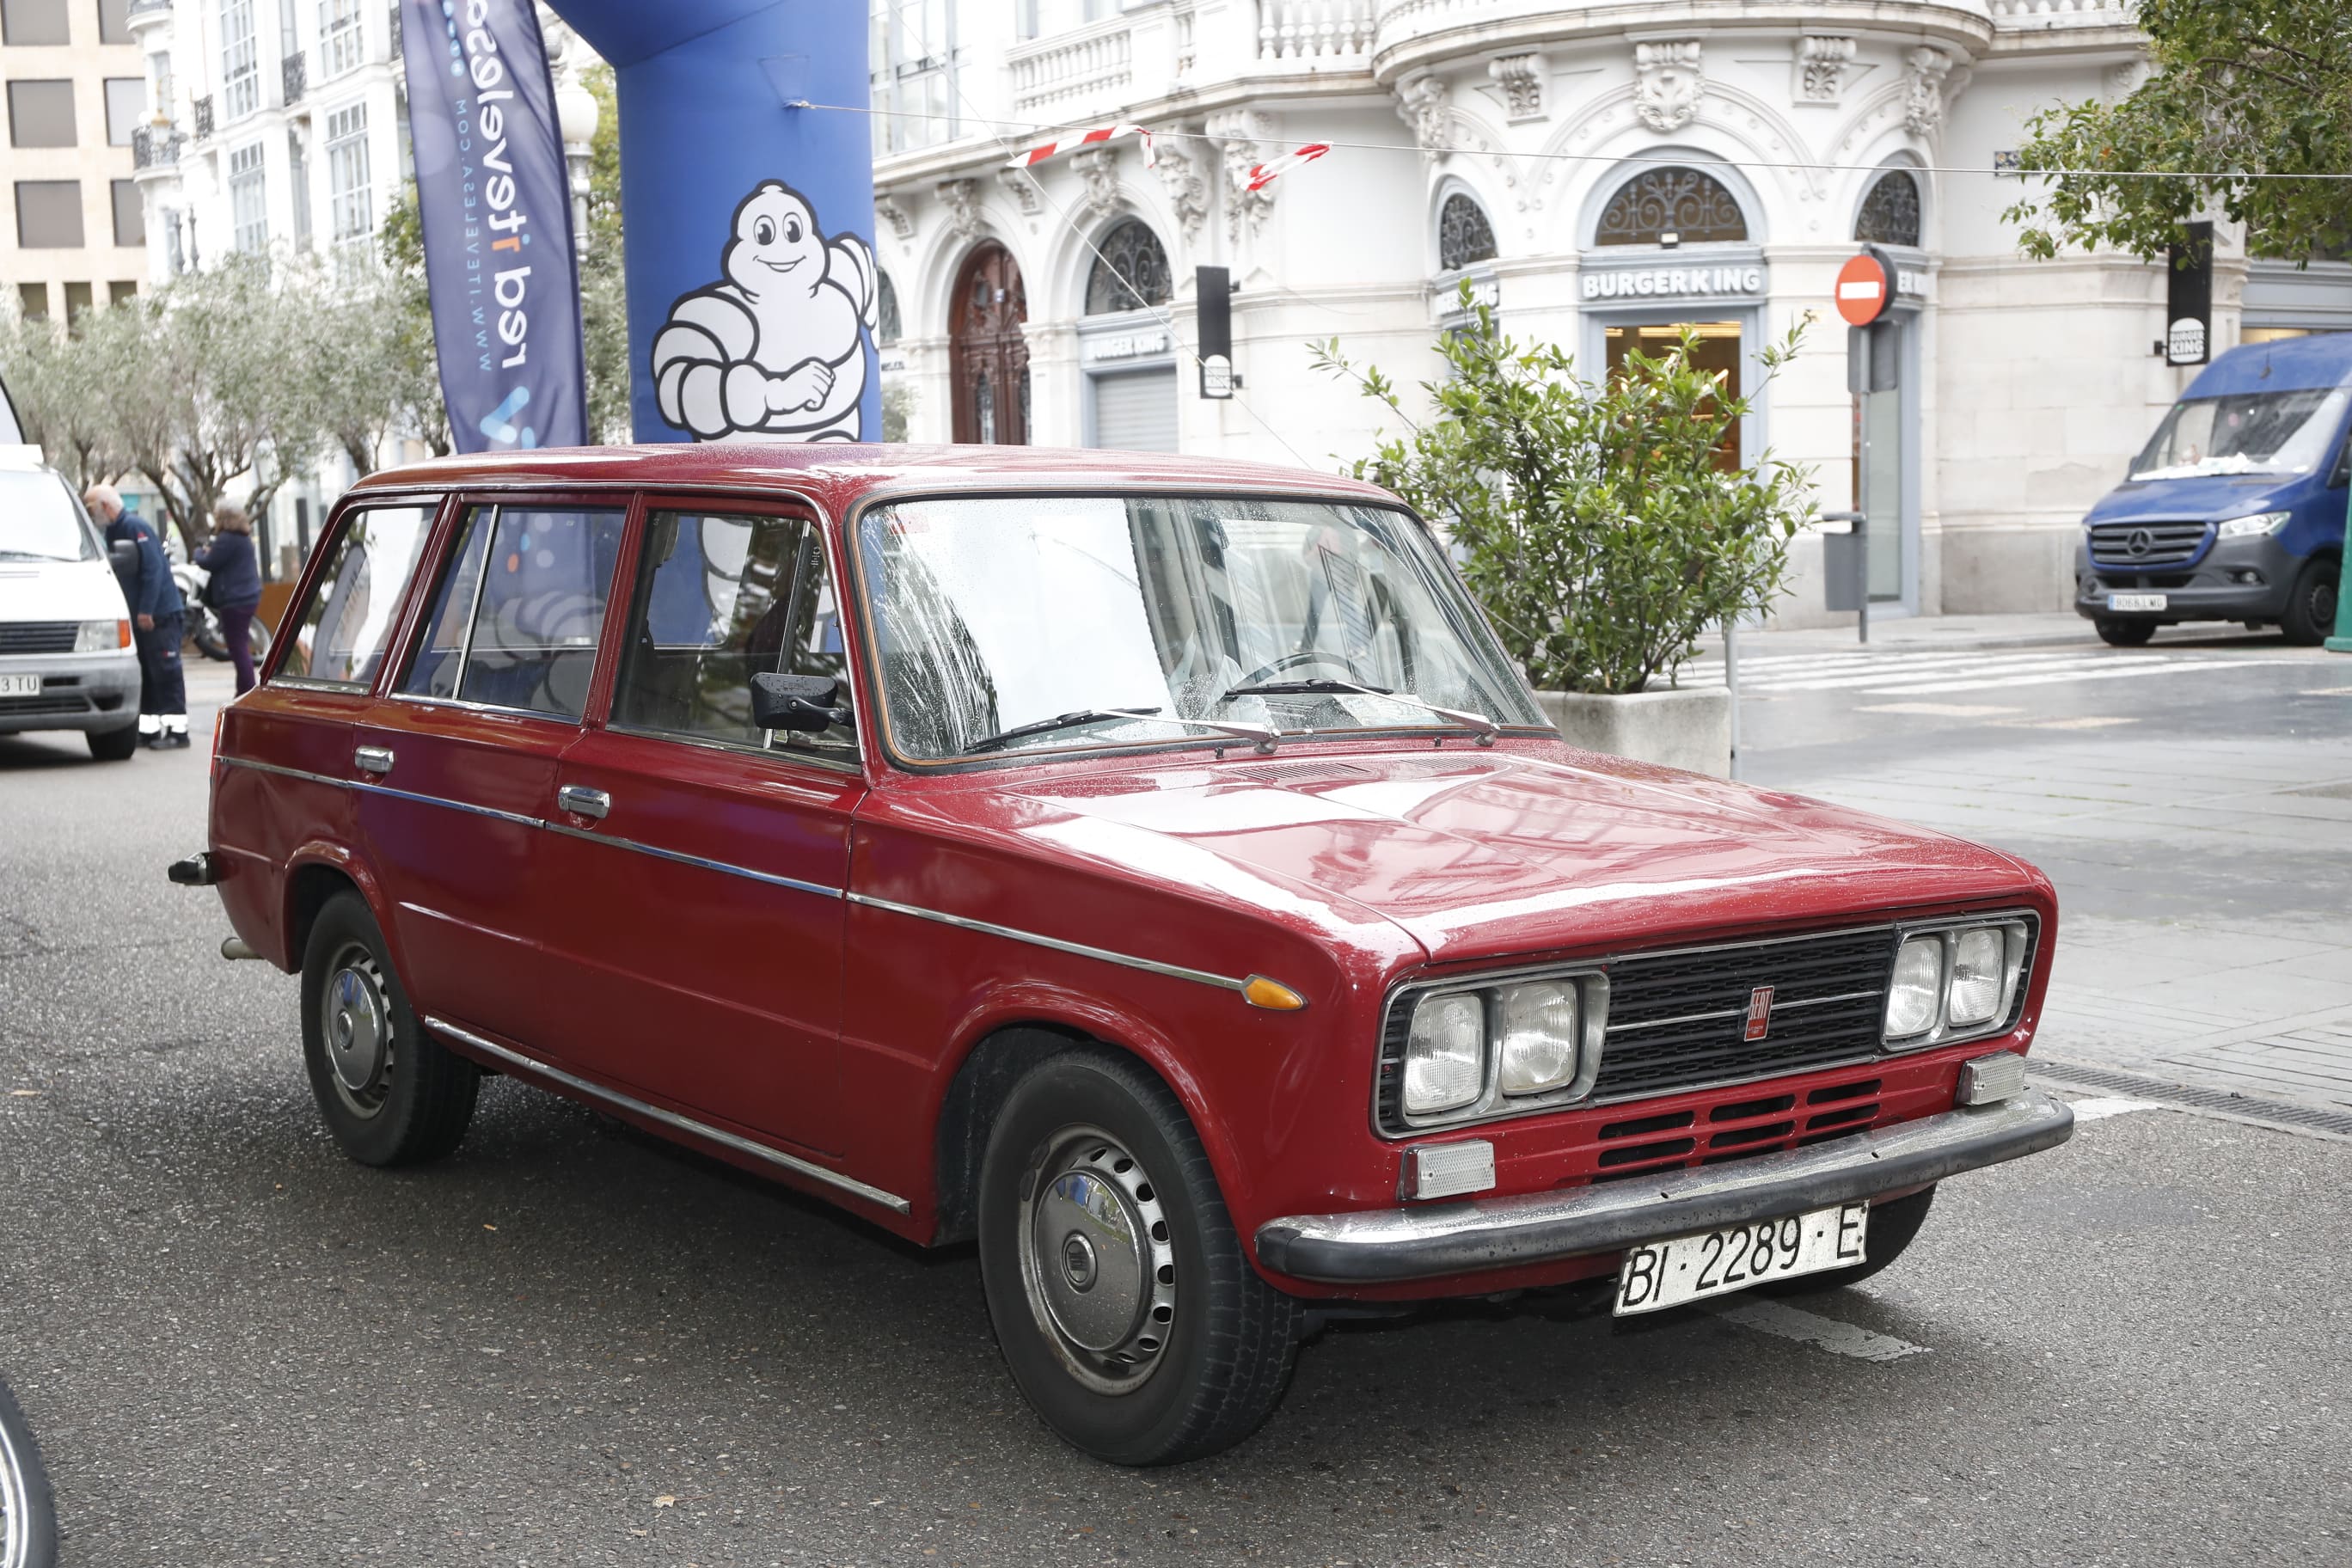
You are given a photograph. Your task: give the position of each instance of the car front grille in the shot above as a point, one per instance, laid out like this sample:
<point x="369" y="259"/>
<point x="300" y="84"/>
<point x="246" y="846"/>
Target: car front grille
<point x="2134" y="545"/>
<point x="43" y="706"/>
<point x="38" y="637"/>
<point x="1678" y="1022"/>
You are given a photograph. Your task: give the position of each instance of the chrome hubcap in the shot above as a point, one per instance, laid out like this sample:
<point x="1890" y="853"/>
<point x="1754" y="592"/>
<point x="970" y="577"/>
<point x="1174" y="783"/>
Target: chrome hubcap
<point x="356" y="1022"/>
<point x="1098" y="1268"/>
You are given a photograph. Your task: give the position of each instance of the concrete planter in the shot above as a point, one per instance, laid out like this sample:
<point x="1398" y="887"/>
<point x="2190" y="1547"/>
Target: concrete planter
<point x="1680" y="727"/>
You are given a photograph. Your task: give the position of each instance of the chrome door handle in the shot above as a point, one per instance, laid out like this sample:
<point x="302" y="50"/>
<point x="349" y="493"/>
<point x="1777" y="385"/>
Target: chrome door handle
<point x="581" y="801"/>
<point x="372" y="759"/>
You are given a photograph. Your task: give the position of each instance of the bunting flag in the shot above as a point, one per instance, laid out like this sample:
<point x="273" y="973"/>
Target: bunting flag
<point x="1263" y="174"/>
<point x="1046" y="150"/>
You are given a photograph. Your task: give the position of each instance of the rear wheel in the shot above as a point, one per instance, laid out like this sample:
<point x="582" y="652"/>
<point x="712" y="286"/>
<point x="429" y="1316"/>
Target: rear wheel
<point x="2123" y="634"/>
<point x="390" y="1095"/>
<point x="1122" y="1300"/>
<point x="1892" y="1226"/>
<point x="2310" y="617"/>
<point x="113" y="745"/>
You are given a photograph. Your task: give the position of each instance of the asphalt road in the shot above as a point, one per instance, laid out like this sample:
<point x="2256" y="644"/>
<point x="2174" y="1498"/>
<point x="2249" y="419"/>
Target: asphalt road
<point x="570" y="1344"/>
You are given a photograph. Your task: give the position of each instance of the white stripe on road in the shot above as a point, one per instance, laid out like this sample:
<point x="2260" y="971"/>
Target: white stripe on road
<point x="2009" y="683"/>
<point x="1980" y="670"/>
<point x="2109" y="1105"/>
<point x="1811" y="1329"/>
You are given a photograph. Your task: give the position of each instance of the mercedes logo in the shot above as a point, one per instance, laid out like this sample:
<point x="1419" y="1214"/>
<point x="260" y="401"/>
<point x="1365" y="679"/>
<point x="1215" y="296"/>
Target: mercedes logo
<point x="2140" y="543"/>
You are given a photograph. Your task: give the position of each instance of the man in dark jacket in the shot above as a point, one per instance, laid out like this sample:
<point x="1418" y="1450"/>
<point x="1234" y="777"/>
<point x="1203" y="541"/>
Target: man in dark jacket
<point x="158" y="616"/>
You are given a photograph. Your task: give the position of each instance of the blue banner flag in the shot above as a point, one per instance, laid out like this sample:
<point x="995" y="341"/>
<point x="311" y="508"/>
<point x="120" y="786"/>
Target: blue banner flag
<point x="496" y="207"/>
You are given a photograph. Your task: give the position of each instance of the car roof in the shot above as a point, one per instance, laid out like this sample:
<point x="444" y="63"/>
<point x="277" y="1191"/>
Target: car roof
<point x="838" y="474"/>
<point x="2286" y="364"/>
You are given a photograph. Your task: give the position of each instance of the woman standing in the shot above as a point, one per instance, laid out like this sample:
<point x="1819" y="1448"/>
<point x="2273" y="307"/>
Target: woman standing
<point x="234" y="592"/>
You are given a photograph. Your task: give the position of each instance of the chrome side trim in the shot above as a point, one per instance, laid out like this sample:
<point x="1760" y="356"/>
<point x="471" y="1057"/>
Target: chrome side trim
<point x="683" y="858"/>
<point x="1153" y="967"/>
<point x="1432" y="1241"/>
<point x="777" y="1157"/>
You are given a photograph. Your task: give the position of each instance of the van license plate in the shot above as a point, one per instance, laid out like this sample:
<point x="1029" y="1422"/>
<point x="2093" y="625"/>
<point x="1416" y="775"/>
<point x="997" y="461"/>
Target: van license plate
<point x="20" y="685"/>
<point x="2135" y="601"/>
<point x="1665" y="1274"/>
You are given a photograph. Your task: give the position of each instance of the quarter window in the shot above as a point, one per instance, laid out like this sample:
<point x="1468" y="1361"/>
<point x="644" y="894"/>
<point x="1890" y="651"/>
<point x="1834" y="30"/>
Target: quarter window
<point x="338" y="638"/>
<point x="721" y="598"/>
<point x="517" y="616"/>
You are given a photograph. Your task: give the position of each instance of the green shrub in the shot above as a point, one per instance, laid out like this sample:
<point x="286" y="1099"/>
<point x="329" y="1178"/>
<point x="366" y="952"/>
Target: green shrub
<point x="1598" y="523"/>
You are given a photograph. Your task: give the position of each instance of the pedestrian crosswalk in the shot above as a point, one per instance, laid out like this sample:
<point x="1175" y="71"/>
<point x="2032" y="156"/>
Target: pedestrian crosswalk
<point x="1889" y="673"/>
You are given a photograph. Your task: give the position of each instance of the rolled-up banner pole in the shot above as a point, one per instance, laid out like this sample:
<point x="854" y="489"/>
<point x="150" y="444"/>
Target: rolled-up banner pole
<point x="495" y="202"/>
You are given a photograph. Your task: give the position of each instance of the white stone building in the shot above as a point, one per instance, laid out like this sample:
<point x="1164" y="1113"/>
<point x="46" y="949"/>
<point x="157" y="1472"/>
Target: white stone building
<point x="1600" y="173"/>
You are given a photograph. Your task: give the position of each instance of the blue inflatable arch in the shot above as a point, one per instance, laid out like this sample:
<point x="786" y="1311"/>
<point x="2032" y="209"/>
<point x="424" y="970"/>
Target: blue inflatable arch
<point x="750" y="223"/>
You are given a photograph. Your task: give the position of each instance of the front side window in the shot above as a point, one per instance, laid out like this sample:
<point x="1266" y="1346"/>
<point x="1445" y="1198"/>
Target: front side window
<point x="2245" y="433"/>
<point x="721" y="598"/>
<point x="989" y="615"/>
<point x="520" y="608"/>
<point x="338" y="637"/>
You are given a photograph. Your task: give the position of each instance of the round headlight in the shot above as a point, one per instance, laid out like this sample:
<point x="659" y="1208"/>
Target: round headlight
<point x="1918" y="989"/>
<point x="1445" y="1057"/>
<point x="1976" y="976"/>
<point x="1537" y="1050"/>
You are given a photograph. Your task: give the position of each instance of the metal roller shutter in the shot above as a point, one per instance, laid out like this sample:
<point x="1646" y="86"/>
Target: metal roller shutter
<point x="1136" y="411"/>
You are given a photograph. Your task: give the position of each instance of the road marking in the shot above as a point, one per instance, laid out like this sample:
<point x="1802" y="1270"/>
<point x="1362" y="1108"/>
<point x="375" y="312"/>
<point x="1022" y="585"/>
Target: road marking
<point x="2102" y="1107"/>
<point x="1941" y="709"/>
<point x="2061" y="723"/>
<point x="2012" y="682"/>
<point x="1823" y="1333"/>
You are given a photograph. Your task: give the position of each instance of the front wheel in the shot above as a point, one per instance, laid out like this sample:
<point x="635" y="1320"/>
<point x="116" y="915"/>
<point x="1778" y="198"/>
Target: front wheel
<point x="113" y="745"/>
<point x="2125" y="634"/>
<point x="29" y="1520"/>
<point x="2310" y="616"/>
<point x="390" y="1095"/>
<point x="1124" y="1306"/>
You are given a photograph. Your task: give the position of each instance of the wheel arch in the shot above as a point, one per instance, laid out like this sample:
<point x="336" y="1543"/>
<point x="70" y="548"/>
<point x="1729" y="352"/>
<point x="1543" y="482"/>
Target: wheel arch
<point x="316" y="873"/>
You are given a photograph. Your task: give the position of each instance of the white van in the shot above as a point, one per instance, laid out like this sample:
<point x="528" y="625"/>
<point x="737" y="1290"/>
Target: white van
<point x="65" y="656"/>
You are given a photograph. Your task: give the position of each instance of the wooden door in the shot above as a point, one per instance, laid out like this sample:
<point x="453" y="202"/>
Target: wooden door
<point x="991" y="357"/>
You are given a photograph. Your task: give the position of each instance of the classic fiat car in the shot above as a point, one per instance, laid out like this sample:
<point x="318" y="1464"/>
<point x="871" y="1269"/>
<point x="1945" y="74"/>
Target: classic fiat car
<point x="1151" y="869"/>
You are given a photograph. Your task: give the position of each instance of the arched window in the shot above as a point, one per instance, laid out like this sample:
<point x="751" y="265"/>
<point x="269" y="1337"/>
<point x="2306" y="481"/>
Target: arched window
<point x="1692" y="207"/>
<point x="1130" y="272"/>
<point x="886" y="308"/>
<point x="1890" y="212"/>
<point x="1464" y="235"/>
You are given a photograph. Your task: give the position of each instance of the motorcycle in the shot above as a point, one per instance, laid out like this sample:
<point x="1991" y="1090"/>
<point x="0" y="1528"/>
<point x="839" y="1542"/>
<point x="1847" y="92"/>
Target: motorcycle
<point x="28" y="1520"/>
<point x="204" y="626"/>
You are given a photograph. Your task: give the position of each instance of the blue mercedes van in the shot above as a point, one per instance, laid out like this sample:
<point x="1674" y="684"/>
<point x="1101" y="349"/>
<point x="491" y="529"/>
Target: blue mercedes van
<point x="2235" y="510"/>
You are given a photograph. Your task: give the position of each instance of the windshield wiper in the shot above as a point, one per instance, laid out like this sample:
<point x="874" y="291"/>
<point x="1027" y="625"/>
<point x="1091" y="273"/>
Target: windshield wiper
<point x="1323" y="687"/>
<point x="1259" y="735"/>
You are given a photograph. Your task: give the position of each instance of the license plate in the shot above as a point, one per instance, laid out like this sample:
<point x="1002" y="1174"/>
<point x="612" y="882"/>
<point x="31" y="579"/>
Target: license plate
<point x="20" y="685"/>
<point x="2135" y="601"/>
<point x="1662" y="1274"/>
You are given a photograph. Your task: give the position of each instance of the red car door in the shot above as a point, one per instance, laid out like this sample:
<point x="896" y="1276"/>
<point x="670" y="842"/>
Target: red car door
<point x="461" y="753"/>
<point x="698" y="864"/>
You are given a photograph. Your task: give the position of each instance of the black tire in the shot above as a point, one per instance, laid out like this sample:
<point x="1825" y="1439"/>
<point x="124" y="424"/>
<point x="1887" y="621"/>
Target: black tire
<point x="1893" y="1226"/>
<point x="1200" y="1355"/>
<point x="2125" y="634"/>
<point x="2310" y="617"/>
<point x="113" y="745"/>
<point x="29" y="1515"/>
<point x="390" y="1095"/>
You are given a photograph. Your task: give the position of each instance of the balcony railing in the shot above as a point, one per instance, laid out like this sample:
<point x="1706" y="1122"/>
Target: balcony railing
<point x="1313" y="30"/>
<point x="2033" y="14"/>
<point x="154" y="147"/>
<point x="138" y="8"/>
<point x="1094" y="61"/>
<point x="203" y="116"/>
<point x="298" y="76"/>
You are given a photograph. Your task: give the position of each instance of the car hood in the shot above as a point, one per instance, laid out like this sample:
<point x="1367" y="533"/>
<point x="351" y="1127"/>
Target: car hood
<point x="59" y="591"/>
<point x="1529" y="848"/>
<point x="2207" y="497"/>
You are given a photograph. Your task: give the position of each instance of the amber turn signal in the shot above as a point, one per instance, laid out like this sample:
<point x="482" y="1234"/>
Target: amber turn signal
<point x="1260" y="992"/>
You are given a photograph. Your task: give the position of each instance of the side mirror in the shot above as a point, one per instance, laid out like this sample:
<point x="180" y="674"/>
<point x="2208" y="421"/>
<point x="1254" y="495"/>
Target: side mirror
<point x="803" y="702"/>
<point x="123" y="555"/>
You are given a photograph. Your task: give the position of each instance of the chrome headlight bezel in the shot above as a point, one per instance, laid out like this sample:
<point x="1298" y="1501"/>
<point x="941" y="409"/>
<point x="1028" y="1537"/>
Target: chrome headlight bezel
<point x="2254" y="525"/>
<point x="1492" y="1103"/>
<point x="2018" y="931"/>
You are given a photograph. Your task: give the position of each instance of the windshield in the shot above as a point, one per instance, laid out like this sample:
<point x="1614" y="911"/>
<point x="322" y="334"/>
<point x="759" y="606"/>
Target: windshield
<point x="2247" y="432"/>
<point x="39" y="519"/>
<point x="992" y="615"/>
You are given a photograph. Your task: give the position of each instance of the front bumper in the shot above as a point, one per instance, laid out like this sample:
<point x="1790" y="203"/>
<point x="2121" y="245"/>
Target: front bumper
<point x="2236" y="580"/>
<point x="1376" y="1246"/>
<point x="79" y="691"/>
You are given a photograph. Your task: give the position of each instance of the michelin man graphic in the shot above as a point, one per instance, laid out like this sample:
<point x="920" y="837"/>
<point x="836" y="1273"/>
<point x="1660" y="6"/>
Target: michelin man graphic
<point x="777" y="350"/>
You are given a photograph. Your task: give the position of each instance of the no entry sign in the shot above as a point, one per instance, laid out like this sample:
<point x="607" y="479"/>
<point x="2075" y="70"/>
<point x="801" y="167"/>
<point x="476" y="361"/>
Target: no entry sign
<point x="1866" y="288"/>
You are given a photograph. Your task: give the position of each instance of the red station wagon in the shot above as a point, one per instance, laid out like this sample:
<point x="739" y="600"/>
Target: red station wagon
<point x="1151" y="869"/>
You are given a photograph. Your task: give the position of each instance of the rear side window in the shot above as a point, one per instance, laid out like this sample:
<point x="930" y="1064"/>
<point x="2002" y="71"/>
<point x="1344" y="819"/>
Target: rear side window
<point x="722" y="597"/>
<point x="340" y="636"/>
<point x="515" y="619"/>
